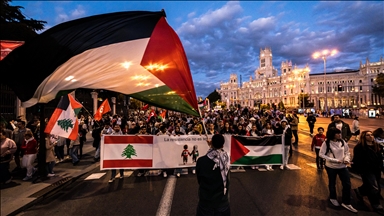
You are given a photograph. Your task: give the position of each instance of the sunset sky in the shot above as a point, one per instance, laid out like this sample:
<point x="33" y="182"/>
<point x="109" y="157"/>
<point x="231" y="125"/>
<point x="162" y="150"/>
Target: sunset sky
<point x="221" y="37"/>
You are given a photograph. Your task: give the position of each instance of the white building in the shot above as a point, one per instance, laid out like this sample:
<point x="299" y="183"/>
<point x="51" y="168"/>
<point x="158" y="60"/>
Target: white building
<point x="350" y="88"/>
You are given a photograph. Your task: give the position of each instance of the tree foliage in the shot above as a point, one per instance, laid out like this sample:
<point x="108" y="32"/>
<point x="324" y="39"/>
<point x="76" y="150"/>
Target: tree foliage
<point x="378" y="88"/>
<point x="14" y="25"/>
<point x="214" y="96"/>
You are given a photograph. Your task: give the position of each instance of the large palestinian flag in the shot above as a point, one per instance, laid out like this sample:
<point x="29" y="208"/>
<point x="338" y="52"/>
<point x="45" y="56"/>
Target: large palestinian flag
<point x="135" y="53"/>
<point x="126" y="151"/>
<point x="247" y="150"/>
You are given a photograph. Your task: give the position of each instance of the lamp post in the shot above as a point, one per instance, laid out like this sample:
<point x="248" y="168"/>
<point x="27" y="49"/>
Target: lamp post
<point x="324" y="54"/>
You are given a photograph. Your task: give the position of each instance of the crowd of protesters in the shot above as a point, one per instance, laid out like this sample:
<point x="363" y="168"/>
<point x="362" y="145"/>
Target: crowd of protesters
<point x="21" y="140"/>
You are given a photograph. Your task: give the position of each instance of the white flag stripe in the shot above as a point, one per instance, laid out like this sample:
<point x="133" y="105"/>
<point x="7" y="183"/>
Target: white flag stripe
<point x="57" y="130"/>
<point x="113" y="152"/>
<point x="118" y="63"/>
<point x="264" y="150"/>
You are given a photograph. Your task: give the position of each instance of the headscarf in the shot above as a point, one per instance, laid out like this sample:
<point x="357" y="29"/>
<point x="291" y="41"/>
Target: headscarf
<point x="221" y="159"/>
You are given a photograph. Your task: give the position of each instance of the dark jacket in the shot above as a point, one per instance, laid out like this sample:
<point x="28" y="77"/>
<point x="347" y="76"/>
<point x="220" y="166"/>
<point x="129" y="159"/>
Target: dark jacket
<point x="311" y="119"/>
<point x="366" y="160"/>
<point x="211" y="187"/>
<point x="346" y="133"/>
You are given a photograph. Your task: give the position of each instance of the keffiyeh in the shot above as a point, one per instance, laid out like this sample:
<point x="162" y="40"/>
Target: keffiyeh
<point x="221" y="159"/>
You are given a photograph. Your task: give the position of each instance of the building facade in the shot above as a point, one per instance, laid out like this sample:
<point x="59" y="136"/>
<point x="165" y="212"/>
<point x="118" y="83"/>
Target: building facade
<point x="344" y="89"/>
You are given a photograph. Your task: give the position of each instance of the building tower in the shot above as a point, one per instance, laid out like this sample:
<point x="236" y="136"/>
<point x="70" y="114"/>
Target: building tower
<point x="265" y="69"/>
<point x="286" y="67"/>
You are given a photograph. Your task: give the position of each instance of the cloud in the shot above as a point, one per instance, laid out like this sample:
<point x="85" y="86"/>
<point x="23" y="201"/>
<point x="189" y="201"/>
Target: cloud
<point x="62" y="14"/>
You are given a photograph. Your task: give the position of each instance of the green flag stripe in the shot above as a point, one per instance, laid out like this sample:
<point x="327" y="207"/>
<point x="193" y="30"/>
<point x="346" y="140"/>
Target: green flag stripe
<point x="269" y="159"/>
<point x="166" y="98"/>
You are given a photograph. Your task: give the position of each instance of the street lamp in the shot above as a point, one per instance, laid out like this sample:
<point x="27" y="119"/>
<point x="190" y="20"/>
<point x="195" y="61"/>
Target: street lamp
<point x="324" y="54"/>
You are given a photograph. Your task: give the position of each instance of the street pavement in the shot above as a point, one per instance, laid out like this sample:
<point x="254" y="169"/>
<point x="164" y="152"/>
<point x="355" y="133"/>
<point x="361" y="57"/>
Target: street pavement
<point x="22" y="197"/>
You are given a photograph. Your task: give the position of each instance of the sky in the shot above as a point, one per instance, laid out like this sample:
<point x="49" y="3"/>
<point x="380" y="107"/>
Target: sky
<point x="225" y="37"/>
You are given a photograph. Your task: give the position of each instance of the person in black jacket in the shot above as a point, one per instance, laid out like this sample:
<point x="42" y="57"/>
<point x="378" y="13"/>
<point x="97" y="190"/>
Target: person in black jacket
<point x="311" y="119"/>
<point x="346" y="133"/>
<point x="212" y="171"/>
<point x="368" y="162"/>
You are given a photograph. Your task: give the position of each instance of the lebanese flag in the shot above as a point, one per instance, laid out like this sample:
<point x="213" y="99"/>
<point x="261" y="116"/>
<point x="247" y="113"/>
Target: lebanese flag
<point x="246" y="150"/>
<point x="104" y="108"/>
<point x="135" y="53"/>
<point x="63" y="121"/>
<point x="116" y="148"/>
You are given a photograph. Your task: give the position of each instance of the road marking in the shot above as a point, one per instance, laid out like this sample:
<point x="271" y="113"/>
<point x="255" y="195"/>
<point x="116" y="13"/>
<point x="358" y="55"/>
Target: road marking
<point x="312" y="165"/>
<point x="95" y="176"/>
<point x="165" y="205"/>
<point x="293" y="167"/>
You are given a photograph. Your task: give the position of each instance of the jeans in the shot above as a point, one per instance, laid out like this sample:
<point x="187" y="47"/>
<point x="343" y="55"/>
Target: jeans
<point x="371" y="187"/>
<point x="208" y="211"/>
<point x="286" y="154"/>
<point x="5" y="175"/>
<point x="97" y="153"/>
<point x="319" y="160"/>
<point x="50" y="166"/>
<point x="81" y="147"/>
<point x="113" y="175"/>
<point x="345" y="181"/>
<point x="59" y="150"/>
<point x="73" y="153"/>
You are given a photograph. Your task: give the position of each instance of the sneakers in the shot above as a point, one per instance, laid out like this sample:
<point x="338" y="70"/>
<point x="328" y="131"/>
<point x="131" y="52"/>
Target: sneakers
<point x="50" y="175"/>
<point x="349" y="208"/>
<point x="147" y="173"/>
<point x="165" y="174"/>
<point x="282" y="167"/>
<point x="111" y="180"/>
<point x="378" y="209"/>
<point x="178" y="175"/>
<point x="139" y="174"/>
<point x="269" y="168"/>
<point x="26" y="178"/>
<point x="193" y="171"/>
<point x="121" y="177"/>
<point x="253" y="167"/>
<point x="8" y="181"/>
<point x="335" y="202"/>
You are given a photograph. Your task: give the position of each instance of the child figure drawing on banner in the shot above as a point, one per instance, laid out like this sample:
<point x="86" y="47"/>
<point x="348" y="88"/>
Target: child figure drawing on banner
<point x="195" y="154"/>
<point x="184" y="154"/>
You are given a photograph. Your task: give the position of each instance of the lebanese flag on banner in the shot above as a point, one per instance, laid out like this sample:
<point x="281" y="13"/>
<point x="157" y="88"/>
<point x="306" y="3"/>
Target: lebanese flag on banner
<point x="63" y="121"/>
<point x="104" y="108"/>
<point x="127" y="151"/>
<point x="256" y="150"/>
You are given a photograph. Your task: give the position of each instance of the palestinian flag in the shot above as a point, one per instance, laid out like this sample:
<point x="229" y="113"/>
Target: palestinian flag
<point x="135" y="53"/>
<point x="63" y="121"/>
<point x="246" y="150"/>
<point x="127" y="151"/>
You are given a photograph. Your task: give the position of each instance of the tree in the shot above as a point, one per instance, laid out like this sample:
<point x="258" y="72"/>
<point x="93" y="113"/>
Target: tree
<point x="14" y="25"/>
<point x="128" y="152"/>
<point x="214" y="96"/>
<point x="307" y="103"/>
<point x="378" y="88"/>
<point x="281" y="106"/>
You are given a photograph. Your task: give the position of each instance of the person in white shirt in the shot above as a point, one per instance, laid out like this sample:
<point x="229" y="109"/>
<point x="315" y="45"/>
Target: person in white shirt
<point x="336" y="153"/>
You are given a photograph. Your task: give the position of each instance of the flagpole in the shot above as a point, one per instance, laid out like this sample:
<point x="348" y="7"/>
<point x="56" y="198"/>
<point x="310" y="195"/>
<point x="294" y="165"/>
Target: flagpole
<point x="88" y="113"/>
<point x="202" y="121"/>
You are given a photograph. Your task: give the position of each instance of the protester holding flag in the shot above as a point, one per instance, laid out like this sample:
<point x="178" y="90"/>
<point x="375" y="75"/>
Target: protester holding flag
<point x="212" y="172"/>
<point x="50" y="156"/>
<point x="116" y="131"/>
<point x="287" y="136"/>
<point x="73" y="150"/>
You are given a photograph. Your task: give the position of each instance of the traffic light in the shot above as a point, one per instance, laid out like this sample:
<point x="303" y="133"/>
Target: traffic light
<point x="339" y="88"/>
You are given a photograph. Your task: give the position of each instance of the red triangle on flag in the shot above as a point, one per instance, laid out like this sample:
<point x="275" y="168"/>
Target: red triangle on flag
<point x="237" y="150"/>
